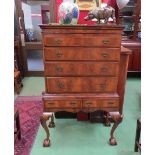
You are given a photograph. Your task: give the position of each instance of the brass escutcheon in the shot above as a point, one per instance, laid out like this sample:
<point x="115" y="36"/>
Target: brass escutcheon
<point x="59" y="54"/>
<point x="58" y="41"/>
<point x="105" y="41"/>
<point x="59" y="68"/>
<point x="104" y="54"/>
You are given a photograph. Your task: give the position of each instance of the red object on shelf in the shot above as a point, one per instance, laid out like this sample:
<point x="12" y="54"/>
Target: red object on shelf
<point x="81" y="18"/>
<point x="58" y="2"/>
<point x="82" y="116"/>
<point x="112" y="3"/>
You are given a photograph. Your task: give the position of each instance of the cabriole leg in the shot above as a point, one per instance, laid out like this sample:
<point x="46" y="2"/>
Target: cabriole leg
<point x="117" y="118"/>
<point x="43" y="120"/>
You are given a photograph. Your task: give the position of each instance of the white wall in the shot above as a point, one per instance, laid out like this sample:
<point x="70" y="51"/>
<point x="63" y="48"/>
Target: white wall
<point x="27" y="15"/>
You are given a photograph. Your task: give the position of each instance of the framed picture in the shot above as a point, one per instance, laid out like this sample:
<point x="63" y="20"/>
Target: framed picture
<point x="88" y="4"/>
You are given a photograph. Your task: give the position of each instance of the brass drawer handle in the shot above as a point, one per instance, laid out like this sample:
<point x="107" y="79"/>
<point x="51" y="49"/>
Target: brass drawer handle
<point x="110" y="103"/>
<point x="105" y="41"/>
<point x="88" y="103"/>
<point x="104" y="55"/>
<point x="59" y="54"/>
<point x="60" y="85"/>
<point x="58" y="41"/>
<point x="104" y="68"/>
<point x="73" y="103"/>
<point x="59" y="68"/>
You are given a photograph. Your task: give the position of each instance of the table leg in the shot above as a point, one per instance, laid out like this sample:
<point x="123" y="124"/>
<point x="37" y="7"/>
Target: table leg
<point x="138" y="131"/>
<point x="16" y="85"/>
<point x="18" y="126"/>
<point x="117" y="118"/>
<point x="43" y="120"/>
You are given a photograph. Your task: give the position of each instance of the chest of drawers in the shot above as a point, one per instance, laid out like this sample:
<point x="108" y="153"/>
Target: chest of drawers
<point x="84" y="70"/>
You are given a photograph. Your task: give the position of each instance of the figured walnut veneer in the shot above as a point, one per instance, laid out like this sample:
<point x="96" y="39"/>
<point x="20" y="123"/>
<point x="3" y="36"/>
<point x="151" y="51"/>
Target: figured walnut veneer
<point x="85" y="70"/>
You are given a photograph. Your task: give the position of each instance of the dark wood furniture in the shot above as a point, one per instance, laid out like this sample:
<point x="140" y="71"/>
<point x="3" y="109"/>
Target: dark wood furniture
<point x="17" y="81"/>
<point x="134" y="67"/>
<point x="130" y="17"/>
<point x="18" y="68"/>
<point x="17" y="130"/>
<point x="137" y="139"/>
<point x="18" y="57"/>
<point x="44" y="11"/>
<point x="85" y="70"/>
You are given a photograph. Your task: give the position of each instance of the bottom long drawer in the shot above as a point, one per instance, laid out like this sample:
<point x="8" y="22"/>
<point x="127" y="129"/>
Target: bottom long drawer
<point x="81" y="84"/>
<point x="81" y="105"/>
<point x="62" y="104"/>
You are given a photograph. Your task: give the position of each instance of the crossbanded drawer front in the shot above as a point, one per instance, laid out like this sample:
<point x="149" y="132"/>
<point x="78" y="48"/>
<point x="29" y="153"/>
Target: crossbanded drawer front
<point x="102" y="103"/>
<point x="62" y="104"/>
<point x="103" y="40"/>
<point x="81" y="68"/>
<point x="81" y="84"/>
<point x="109" y="103"/>
<point x="78" y="53"/>
<point x="91" y="104"/>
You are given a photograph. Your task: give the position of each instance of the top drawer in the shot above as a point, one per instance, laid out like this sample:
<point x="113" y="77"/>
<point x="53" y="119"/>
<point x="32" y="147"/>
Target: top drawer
<point x="104" y="40"/>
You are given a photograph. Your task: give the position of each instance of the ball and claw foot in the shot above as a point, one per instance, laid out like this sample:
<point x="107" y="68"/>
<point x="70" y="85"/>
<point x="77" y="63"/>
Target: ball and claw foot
<point x="117" y="118"/>
<point x="46" y="143"/>
<point x="112" y="141"/>
<point x="51" y="125"/>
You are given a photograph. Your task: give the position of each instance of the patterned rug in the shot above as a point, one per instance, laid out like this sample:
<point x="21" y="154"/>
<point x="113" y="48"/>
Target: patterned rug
<point x="30" y="108"/>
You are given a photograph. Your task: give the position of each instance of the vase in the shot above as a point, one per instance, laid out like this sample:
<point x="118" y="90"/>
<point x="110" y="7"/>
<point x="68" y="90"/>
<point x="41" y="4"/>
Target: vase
<point x="68" y="13"/>
<point x="30" y="35"/>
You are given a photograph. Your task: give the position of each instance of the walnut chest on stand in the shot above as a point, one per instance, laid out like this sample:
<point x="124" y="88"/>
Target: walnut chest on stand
<point x="85" y="70"/>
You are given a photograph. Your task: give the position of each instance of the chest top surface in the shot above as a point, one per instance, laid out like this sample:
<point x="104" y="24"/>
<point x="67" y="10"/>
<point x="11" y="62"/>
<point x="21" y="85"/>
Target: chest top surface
<point x="109" y="28"/>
